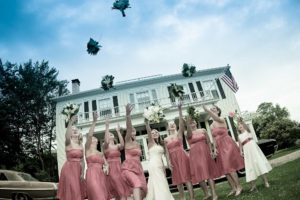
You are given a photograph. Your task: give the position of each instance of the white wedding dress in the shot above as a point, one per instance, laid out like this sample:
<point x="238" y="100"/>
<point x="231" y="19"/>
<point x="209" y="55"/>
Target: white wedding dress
<point x="158" y="188"/>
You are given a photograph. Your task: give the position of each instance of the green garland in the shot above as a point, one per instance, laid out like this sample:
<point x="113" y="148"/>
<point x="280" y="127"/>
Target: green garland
<point x="188" y="70"/>
<point x="107" y="82"/>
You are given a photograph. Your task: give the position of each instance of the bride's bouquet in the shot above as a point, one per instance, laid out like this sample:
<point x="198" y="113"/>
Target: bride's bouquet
<point x="69" y="110"/>
<point x="154" y="113"/>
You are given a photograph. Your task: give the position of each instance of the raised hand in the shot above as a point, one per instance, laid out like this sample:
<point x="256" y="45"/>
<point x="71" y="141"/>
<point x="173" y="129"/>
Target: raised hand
<point x="118" y="128"/>
<point x="129" y="108"/>
<point x="107" y="122"/>
<point x="95" y="116"/>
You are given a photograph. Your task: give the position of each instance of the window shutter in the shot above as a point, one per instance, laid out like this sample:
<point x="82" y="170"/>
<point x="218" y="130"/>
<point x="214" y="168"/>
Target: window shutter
<point x="200" y="89"/>
<point x="116" y="104"/>
<point x="220" y="88"/>
<point x="86" y="110"/>
<point x="94" y="105"/>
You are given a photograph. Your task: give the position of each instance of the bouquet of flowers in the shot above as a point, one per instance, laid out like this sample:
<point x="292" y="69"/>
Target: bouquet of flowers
<point x="236" y="117"/>
<point x="93" y="47"/>
<point x="154" y="113"/>
<point x="176" y="91"/>
<point x="121" y="5"/>
<point x="107" y="82"/>
<point x="193" y="113"/>
<point x="188" y="70"/>
<point x="69" y="110"/>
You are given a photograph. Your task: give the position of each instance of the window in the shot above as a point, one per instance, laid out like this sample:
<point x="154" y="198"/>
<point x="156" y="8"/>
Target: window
<point x="210" y="90"/>
<point x="154" y="96"/>
<point x="3" y="177"/>
<point x="186" y="96"/>
<point x="86" y="110"/>
<point x="143" y="99"/>
<point x="105" y="107"/>
<point x="94" y="106"/>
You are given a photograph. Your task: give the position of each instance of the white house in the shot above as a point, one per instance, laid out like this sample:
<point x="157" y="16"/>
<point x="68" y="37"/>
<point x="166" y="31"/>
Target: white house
<point x="204" y="87"/>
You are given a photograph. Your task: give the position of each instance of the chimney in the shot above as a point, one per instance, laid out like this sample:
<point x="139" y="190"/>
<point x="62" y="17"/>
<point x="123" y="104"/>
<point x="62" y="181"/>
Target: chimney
<point x="75" y="86"/>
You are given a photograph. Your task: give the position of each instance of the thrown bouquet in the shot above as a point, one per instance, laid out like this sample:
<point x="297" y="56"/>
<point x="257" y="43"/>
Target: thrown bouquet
<point x="69" y="110"/>
<point x="154" y="113"/>
<point x="176" y="91"/>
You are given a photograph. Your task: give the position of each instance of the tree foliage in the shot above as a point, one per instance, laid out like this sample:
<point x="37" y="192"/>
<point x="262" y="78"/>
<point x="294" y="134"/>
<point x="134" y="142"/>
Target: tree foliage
<point x="272" y="121"/>
<point x="27" y="113"/>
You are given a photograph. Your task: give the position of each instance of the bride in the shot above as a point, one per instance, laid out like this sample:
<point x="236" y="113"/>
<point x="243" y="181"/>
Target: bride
<point x="158" y="188"/>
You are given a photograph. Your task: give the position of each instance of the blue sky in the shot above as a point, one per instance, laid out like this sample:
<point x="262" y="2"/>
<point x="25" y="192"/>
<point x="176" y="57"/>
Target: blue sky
<point x="260" y="39"/>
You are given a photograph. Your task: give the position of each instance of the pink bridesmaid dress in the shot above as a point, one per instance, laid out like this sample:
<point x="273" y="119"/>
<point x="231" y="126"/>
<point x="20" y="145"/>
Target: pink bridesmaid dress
<point x="132" y="171"/>
<point x="202" y="166"/>
<point x="180" y="162"/>
<point x="229" y="158"/>
<point x="69" y="180"/>
<point x="95" y="178"/>
<point x="117" y="186"/>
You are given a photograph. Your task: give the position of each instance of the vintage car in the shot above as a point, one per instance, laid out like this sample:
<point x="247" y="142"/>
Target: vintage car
<point x="268" y="146"/>
<point x="18" y="185"/>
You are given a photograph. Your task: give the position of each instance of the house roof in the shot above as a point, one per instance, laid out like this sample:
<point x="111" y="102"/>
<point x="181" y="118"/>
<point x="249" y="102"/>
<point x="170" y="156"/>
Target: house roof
<point x="140" y="82"/>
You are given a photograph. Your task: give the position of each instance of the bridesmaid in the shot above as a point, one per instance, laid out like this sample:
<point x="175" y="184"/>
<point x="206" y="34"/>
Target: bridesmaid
<point x="117" y="187"/>
<point x="132" y="170"/>
<point x="256" y="164"/>
<point x="72" y="171"/>
<point x="95" y="177"/>
<point x="228" y="159"/>
<point x="202" y="165"/>
<point x="177" y="158"/>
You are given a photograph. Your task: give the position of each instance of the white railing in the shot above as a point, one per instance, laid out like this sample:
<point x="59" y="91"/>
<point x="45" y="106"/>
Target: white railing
<point x="195" y="98"/>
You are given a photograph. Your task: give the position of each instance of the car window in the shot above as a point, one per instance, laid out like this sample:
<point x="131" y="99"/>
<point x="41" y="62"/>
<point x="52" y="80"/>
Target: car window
<point x="27" y="177"/>
<point x="3" y="177"/>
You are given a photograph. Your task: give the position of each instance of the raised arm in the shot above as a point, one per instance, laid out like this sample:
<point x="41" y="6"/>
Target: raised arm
<point x="106" y="136"/>
<point x="150" y="139"/>
<point x="129" y="127"/>
<point x="121" y="144"/>
<point x="213" y="115"/>
<point x="69" y="130"/>
<point x="91" y="131"/>
<point x="189" y="130"/>
<point x="181" y="121"/>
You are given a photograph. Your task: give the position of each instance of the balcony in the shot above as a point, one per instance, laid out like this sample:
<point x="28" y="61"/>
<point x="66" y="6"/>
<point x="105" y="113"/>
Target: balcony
<point x="195" y="98"/>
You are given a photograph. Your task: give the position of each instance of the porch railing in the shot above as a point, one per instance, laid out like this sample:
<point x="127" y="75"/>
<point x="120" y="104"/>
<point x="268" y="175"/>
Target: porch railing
<point x="195" y="98"/>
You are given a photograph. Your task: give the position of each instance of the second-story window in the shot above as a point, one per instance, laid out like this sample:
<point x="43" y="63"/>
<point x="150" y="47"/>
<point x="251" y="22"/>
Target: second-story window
<point x="210" y="89"/>
<point x="105" y="107"/>
<point x="143" y="99"/>
<point x="86" y="110"/>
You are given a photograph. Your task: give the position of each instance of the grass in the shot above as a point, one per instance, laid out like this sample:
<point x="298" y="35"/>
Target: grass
<point x="284" y="181"/>
<point x="283" y="152"/>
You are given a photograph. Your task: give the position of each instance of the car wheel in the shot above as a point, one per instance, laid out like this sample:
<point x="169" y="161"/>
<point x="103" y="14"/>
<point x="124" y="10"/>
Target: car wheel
<point x="20" y="196"/>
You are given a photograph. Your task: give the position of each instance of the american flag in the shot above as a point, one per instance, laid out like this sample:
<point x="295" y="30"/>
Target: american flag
<point x="229" y="80"/>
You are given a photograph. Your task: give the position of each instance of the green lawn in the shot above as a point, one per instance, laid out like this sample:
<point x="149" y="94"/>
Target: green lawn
<point x="283" y="152"/>
<point x="284" y="181"/>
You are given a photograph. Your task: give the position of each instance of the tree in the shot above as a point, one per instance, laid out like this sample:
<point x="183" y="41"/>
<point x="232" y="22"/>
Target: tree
<point x="274" y="122"/>
<point x="28" y="110"/>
